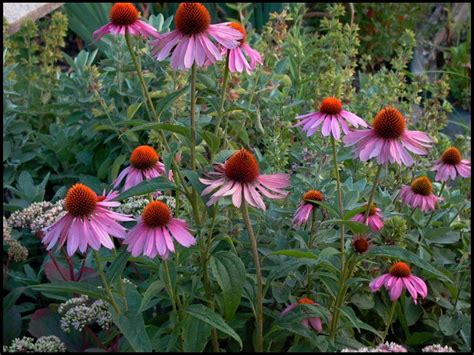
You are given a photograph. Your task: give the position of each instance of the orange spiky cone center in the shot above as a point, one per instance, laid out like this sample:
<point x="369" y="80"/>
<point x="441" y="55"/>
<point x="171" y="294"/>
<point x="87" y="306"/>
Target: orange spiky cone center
<point x="331" y="106"/>
<point x="156" y="214"/>
<point x="451" y="156"/>
<point x="144" y="157"/>
<point x="422" y="186"/>
<point x="389" y="123"/>
<point x="242" y="167"/>
<point x="123" y="14"/>
<point x="305" y="300"/>
<point x="80" y="200"/>
<point x="237" y="26"/>
<point x="400" y="269"/>
<point x="192" y="18"/>
<point x="313" y="195"/>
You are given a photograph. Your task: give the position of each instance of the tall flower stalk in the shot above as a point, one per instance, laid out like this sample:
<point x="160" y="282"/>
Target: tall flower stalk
<point x="140" y="76"/>
<point x="339" y="198"/>
<point x="258" y="274"/>
<point x="224" y="89"/>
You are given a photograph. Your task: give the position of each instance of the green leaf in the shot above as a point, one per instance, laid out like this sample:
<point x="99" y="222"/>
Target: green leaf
<point x="207" y="315"/>
<point x="229" y="272"/>
<point x="196" y="334"/>
<point x="212" y="140"/>
<point x="349" y="313"/>
<point x="353" y="212"/>
<point x="419" y="338"/>
<point x="132" y="109"/>
<point x="117" y="266"/>
<point x="148" y="186"/>
<point x="71" y="287"/>
<point x="163" y="104"/>
<point x="449" y="325"/>
<point x="295" y="253"/>
<point x="10" y="299"/>
<point x="355" y="227"/>
<point x="326" y="206"/>
<point x="150" y="293"/>
<point x="174" y="128"/>
<point x="132" y="326"/>
<point x="405" y="255"/>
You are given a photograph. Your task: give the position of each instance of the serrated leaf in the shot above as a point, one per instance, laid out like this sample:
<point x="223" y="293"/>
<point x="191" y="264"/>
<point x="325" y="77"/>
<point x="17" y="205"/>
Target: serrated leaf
<point x="207" y="315"/>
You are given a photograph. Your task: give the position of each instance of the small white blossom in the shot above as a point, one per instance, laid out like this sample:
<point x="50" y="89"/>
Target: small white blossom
<point x="78" y="312"/>
<point x="437" y="348"/>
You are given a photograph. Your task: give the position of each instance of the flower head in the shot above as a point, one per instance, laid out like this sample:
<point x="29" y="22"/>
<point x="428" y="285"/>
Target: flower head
<point x="388" y="140"/>
<point x="191" y="41"/>
<point x="360" y="243"/>
<point x="419" y="194"/>
<point x="331" y="117"/>
<point x="153" y="231"/>
<point x="88" y="221"/>
<point x="306" y="207"/>
<point x="399" y="278"/>
<point x="374" y="220"/>
<point x="241" y="178"/>
<point x="311" y="322"/>
<point x="144" y="165"/>
<point x="237" y="56"/>
<point x="125" y="18"/>
<point x="451" y="164"/>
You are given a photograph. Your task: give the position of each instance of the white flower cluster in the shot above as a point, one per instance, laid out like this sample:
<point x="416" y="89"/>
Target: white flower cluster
<point x="46" y="344"/>
<point x="381" y="348"/>
<point x="135" y="205"/>
<point x="38" y="215"/>
<point x="437" y="348"/>
<point x="16" y="250"/>
<point x="78" y="312"/>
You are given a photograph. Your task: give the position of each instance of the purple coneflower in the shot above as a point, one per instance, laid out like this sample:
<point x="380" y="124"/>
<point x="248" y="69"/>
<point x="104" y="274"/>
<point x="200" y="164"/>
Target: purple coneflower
<point x="451" y="164"/>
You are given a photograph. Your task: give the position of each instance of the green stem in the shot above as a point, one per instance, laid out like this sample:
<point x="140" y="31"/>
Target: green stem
<point x="389" y="323"/>
<point x="457" y="214"/>
<point x="372" y="193"/>
<point x="224" y="89"/>
<point x="193" y="117"/>
<point x="339" y="198"/>
<point x="432" y="213"/>
<point x="122" y="288"/>
<point x="258" y="274"/>
<point x="140" y="75"/>
<point x="104" y="282"/>
<point x="312" y="232"/>
<point x="341" y="294"/>
<point x="170" y="286"/>
<point x="312" y="237"/>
